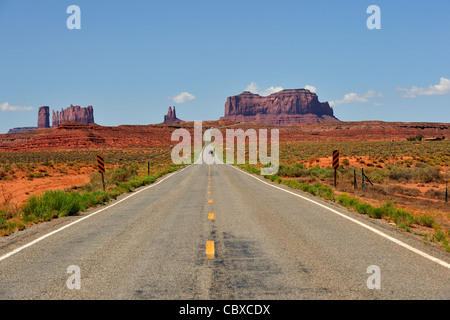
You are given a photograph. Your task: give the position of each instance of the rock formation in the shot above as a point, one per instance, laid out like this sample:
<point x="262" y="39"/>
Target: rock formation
<point x="282" y="108"/>
<point x="73" y="114"/>
<point x="171" y="117"/>
<point x="44" y="117"/>
<point x="21" y="130"/>
<point x="55" y="118"/>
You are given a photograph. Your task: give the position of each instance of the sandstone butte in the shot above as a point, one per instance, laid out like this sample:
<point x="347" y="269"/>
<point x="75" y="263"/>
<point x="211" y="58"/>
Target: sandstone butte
<point x="73" y="114"/>
<point x="171" y="117"/>
<point x="290" y="106"/>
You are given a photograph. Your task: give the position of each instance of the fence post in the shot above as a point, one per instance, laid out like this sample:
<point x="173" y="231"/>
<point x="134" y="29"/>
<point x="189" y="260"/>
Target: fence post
<point x="362" y="178"/>
<point x="446" y="190"/>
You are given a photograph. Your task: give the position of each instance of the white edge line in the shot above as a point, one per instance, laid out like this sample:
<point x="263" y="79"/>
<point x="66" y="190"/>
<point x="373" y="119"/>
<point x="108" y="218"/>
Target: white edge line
<point x="81" y="219"/>
<point x="384" y="235"/>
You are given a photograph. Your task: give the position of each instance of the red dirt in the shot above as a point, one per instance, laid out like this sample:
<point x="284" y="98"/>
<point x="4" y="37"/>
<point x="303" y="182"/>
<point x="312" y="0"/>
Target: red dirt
<point x="70" y="135"/>
<point x="19" y="189"/>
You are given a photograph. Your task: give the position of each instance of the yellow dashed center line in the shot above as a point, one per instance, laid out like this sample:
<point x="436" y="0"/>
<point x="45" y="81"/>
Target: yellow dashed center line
<point x="210" y="250"/>
<point x="210" y="244"/>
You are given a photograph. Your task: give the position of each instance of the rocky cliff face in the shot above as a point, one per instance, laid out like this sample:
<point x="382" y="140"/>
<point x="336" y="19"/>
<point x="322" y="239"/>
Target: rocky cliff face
<point x="73" y="114"/>
<point x="171" y="117"/>
<point x="281" y="108"/>
<point x="44" y="117"/>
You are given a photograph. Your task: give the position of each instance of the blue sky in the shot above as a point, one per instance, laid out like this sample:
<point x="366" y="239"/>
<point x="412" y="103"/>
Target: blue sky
<point x="130" y="59"/>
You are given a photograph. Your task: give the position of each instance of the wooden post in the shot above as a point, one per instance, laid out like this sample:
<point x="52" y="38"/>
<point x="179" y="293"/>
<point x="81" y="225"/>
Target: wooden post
<point x="101" y="169"/>
<point x="446" y="190"/>
<point x="148" y="168"/>
<point x="362" y="178"/>
<point x="335" y="177"/>
<point x="103" y="181"/>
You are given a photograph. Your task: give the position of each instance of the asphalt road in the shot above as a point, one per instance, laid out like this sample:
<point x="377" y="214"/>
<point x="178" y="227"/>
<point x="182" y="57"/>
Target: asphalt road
<point x="268" y="244"/>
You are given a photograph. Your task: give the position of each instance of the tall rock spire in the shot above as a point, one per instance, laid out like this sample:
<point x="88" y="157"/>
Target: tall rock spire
<point x="171" y="116"/>
<point x="44" y="117"/>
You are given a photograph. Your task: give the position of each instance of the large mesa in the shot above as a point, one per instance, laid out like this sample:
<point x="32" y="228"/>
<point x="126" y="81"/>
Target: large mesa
<point x="290" y="106"/>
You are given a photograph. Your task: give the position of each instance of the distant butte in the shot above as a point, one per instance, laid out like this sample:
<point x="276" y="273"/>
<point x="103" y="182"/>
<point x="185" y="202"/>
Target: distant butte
<point x="73" y="114"/>
<point x="171" y="117"/>
<point x="290" y="106"/>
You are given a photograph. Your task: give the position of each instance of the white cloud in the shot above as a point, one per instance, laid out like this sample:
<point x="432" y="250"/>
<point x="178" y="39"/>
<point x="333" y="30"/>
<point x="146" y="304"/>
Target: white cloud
<point x="442" y="88"/>
<point x="369" y="94"/>
<point x="311" y="88"/>
<point x="353" y="97"/>
<point x="271" y="90"/>
<point x="6" y="107"/>
<point x="183" y="97"/>
<point x="254" y="88"/>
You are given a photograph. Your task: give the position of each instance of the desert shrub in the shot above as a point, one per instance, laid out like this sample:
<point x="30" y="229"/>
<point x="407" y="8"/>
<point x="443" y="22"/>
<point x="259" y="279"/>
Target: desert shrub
<point x="48" y="163"/>
<point x="251" y="169"/>
<point x="400" y="173"/>
<point x="124" y="173"/>
<point x="296" y="170"/>
<point x="20" y="165"/>
<point x="322" y="173"/>
<point x="3" y="220"/>
<point x="50" y="205"/>
<point x="440" y="237"/>
<point x="377" y="175"/>
<point x="435" y="194"/>
<point x="274" y="178"/>
<point x="419" y="137"/>
<point x="408" y="162"/>
<point x="9" y="226"/>
<point x="426" y="174"/>
<point x="91" y="199"/>
<point x="425" y="220"/>
<point x="404" y="191"/>
<point x="3" y="173"/>
<point x="315" y="189"/>
<point x="401" y="217"/>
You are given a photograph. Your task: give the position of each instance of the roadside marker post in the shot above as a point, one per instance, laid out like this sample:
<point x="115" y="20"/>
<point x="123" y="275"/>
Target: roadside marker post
<point x="446" y="186"/>
<point x="101" y="169"/>
<point x="335" y="165"/>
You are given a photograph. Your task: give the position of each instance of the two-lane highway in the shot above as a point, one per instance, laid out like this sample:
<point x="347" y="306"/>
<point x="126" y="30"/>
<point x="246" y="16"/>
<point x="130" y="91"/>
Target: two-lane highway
<point x="268" y="244"/>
